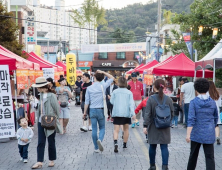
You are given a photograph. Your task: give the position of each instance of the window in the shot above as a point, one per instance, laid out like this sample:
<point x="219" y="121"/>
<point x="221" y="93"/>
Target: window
<point x="121" y="55"/>
<point x="135" y="55"/>
<point x="103" y="55"/>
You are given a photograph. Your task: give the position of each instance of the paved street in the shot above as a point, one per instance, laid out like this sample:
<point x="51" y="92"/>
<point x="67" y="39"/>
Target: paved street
<point x="75" y="151"/>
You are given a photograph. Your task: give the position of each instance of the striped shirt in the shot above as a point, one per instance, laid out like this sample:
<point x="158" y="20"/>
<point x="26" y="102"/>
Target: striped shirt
<point x="94" y="95"/>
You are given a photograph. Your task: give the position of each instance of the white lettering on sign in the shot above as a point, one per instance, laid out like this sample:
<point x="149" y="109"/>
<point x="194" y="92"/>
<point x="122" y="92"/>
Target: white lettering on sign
<point x="106" y="64"/>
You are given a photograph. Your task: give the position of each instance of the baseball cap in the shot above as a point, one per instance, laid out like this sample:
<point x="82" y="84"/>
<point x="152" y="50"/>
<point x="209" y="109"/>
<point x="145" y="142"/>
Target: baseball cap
<point x="133" y="75"/>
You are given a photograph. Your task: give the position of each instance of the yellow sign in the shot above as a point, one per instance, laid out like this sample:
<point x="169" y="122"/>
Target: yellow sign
<point x="71" y="68"/>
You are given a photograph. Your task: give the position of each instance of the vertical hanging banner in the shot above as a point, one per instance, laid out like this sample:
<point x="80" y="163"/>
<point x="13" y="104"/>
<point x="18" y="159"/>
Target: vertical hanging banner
<point x="7" y="125"/>
<point x="38" y="73"/>
<point x="31" y="30"/>
<point x="31" y="77"/>
<point x="186" y="37"/>
<point x="48" y="72"/>
<point x="71" y="68"/>
<point x="22" y="79"/>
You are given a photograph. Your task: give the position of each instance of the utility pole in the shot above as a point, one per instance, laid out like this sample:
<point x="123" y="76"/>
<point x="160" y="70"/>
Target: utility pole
<point x="158" y="28"/>
<point x="60" y="44"/>
<point x="48" y="50"/>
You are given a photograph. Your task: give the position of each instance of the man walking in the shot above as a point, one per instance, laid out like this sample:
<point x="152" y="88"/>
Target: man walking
<point x="187" y="94"/>
<point x="86" y="83"/>
<point x="182" y="105"/>
<point x="137" y="90"/>
<point x="95" y="96"/>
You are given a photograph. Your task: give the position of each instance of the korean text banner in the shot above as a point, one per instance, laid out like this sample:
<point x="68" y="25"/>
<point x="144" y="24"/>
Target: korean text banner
<point x="38" y="73"/>
<point x="7" y="126"/>
<point x="22" y="79"/>
<point x="71" y="68"/>
<point x="31" y="30"/>
<point x="31" y="77"/>
<point x="48" y="72"/>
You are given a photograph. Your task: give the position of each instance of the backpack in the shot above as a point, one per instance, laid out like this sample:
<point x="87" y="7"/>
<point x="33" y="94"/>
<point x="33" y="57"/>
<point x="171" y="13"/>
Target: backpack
<point x="162" y="119"/>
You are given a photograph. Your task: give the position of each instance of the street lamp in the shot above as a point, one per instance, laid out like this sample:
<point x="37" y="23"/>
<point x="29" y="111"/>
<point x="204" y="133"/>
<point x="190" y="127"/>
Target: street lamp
<point x="215" y="32"/>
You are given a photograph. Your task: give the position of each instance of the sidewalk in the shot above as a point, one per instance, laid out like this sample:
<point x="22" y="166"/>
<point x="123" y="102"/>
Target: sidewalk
<point x="75" y="151"/>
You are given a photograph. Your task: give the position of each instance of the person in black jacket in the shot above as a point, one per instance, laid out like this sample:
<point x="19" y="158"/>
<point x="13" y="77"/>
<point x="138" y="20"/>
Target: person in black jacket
<point x="109" y="92"/>
<point x="177" y="110"/>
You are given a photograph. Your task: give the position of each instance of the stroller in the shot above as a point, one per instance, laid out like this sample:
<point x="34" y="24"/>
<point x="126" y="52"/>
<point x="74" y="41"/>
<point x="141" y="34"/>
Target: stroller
<point x="77" y="95"/>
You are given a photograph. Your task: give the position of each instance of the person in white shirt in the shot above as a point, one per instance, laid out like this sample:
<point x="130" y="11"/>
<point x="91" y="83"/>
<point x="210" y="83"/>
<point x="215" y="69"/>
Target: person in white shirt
<point x="187" y="94"/>
<point x="24" y="136"/>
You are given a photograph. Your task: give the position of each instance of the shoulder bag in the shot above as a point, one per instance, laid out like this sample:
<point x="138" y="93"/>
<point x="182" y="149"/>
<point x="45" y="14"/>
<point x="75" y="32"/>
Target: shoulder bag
<point x="104" y="101"/>
<point x="47" y="122"/>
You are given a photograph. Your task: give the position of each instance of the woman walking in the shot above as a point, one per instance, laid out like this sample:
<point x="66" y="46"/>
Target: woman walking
<point x="48" y="105"/>
<point x="64" y="93"/>
<point x="156" y="135"/>
<point x="202" y="120"/>
<point x="214" y="94"/>
<point x="123" y="110"/>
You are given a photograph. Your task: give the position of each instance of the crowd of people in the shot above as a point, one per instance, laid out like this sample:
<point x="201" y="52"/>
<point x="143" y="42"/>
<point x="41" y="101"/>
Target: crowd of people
<point x="124" y="102"/>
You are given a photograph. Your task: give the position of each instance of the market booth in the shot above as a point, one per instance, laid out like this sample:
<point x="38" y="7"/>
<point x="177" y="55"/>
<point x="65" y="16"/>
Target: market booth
<point x="146" y="66"/>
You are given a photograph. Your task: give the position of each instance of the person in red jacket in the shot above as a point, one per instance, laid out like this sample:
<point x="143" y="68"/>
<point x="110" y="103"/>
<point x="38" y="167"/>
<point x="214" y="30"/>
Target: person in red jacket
<point x="137" y="90"/>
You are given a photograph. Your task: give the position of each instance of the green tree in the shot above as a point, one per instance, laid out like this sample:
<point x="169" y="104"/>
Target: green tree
<point x="122" y="36"/>
<point x="9" y="32"/>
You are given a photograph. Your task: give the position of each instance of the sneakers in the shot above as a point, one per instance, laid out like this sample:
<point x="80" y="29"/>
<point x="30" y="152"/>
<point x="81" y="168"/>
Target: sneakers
<point x="90" y="128"/>
<point x="172" y="126"/>
<point x="84" y="129"/>
<point x="176" y="126"/>
<point x="152" y="167"/>
<point x="96" y="151"/>
<point x="21" y="159"/>
<point x="108" y="119"/>
<point x="124" y="145"/>
<point x="25" y="161"/>
<point x="138" y="123"/>
<point x="133" y="125"/>
<point x="99" y="143"/>
<point x="218" y="140"/>
<point x="116" y="148"/>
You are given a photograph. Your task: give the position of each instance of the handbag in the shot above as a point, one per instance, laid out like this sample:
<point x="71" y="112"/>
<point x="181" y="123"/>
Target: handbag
<point x="48" y="122"/>
<point x="104" y="101"/>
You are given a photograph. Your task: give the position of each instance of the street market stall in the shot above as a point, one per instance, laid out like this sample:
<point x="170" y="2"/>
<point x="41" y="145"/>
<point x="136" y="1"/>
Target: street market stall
<point x="146" y="66"/>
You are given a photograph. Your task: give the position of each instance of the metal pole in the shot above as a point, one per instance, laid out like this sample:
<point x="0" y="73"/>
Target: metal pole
<point x="48" y="50"/>
<point x="60" y="43"/>
<point x="158" y="28"/>
<point x="214" y="75"/>
<point x="203" y="73"/>
<point x="15" y="82"/>
<point x="195" y="74"/>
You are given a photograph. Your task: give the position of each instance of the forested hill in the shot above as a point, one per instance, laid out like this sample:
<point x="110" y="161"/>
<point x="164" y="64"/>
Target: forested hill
<point x="138" y="17"/>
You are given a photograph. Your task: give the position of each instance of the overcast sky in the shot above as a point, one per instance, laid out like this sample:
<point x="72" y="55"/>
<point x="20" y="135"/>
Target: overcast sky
<point x="108" y="4"/>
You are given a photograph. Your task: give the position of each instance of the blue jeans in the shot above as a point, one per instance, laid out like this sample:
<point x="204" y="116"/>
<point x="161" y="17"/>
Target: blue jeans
<point x="175" y="120"/>
<point x="23" y="150"/>
<point x="164" y="152"/>
<point x="186" y="111"/>
<point x="97" y="116"/>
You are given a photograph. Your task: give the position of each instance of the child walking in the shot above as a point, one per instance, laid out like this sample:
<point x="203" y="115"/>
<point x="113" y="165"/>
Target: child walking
<point x="24" y="136"/>
<point x="177" y="110"/>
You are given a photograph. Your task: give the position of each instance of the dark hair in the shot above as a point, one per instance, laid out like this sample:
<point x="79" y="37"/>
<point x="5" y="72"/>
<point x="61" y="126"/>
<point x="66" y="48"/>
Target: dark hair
<point x="138" y="73"/>
<point x="214" y="94"/>
<point x="128" y="87"/>
<point x="184" y="79"/>
<point x="79" y="77"/>
<point x="61" y="76"/>
<point x="86" y="75"/>
<point x="174" y="99"/>
<point x="122" y="82"/>
<point x="180" y="79"/>
<point x="48" y="89"/>
<point x="19" y="120"/>
<point x="99" y="76"/>
<point x="61" y="79"/>
<point x="51" y="81"/>
<point x="129" y="78"/>
<point x="201" y="85"/>
<point x="159" y="84"/>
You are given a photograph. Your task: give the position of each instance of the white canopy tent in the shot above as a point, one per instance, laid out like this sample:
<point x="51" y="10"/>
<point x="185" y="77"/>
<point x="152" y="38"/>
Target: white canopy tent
<point x="212" y="60"/>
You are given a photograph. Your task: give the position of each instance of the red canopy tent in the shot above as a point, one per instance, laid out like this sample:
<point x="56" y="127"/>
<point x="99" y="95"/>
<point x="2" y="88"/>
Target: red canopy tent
<point x="11" y="62"/>
<point x="134" y="70"/>
<point x="179" y="65"/>
<point x="61" y="64"/>
<point x="149" y="70"/>
<point x="146" y="66"/>
<point x="21" y="63"/>
<point x="45" y="61"/>
<point x="41" y="63"/>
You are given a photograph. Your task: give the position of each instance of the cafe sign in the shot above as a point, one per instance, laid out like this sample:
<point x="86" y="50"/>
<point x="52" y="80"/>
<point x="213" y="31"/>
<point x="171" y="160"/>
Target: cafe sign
<point x="107" y="64"/>
<point x="130" y="64"/>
